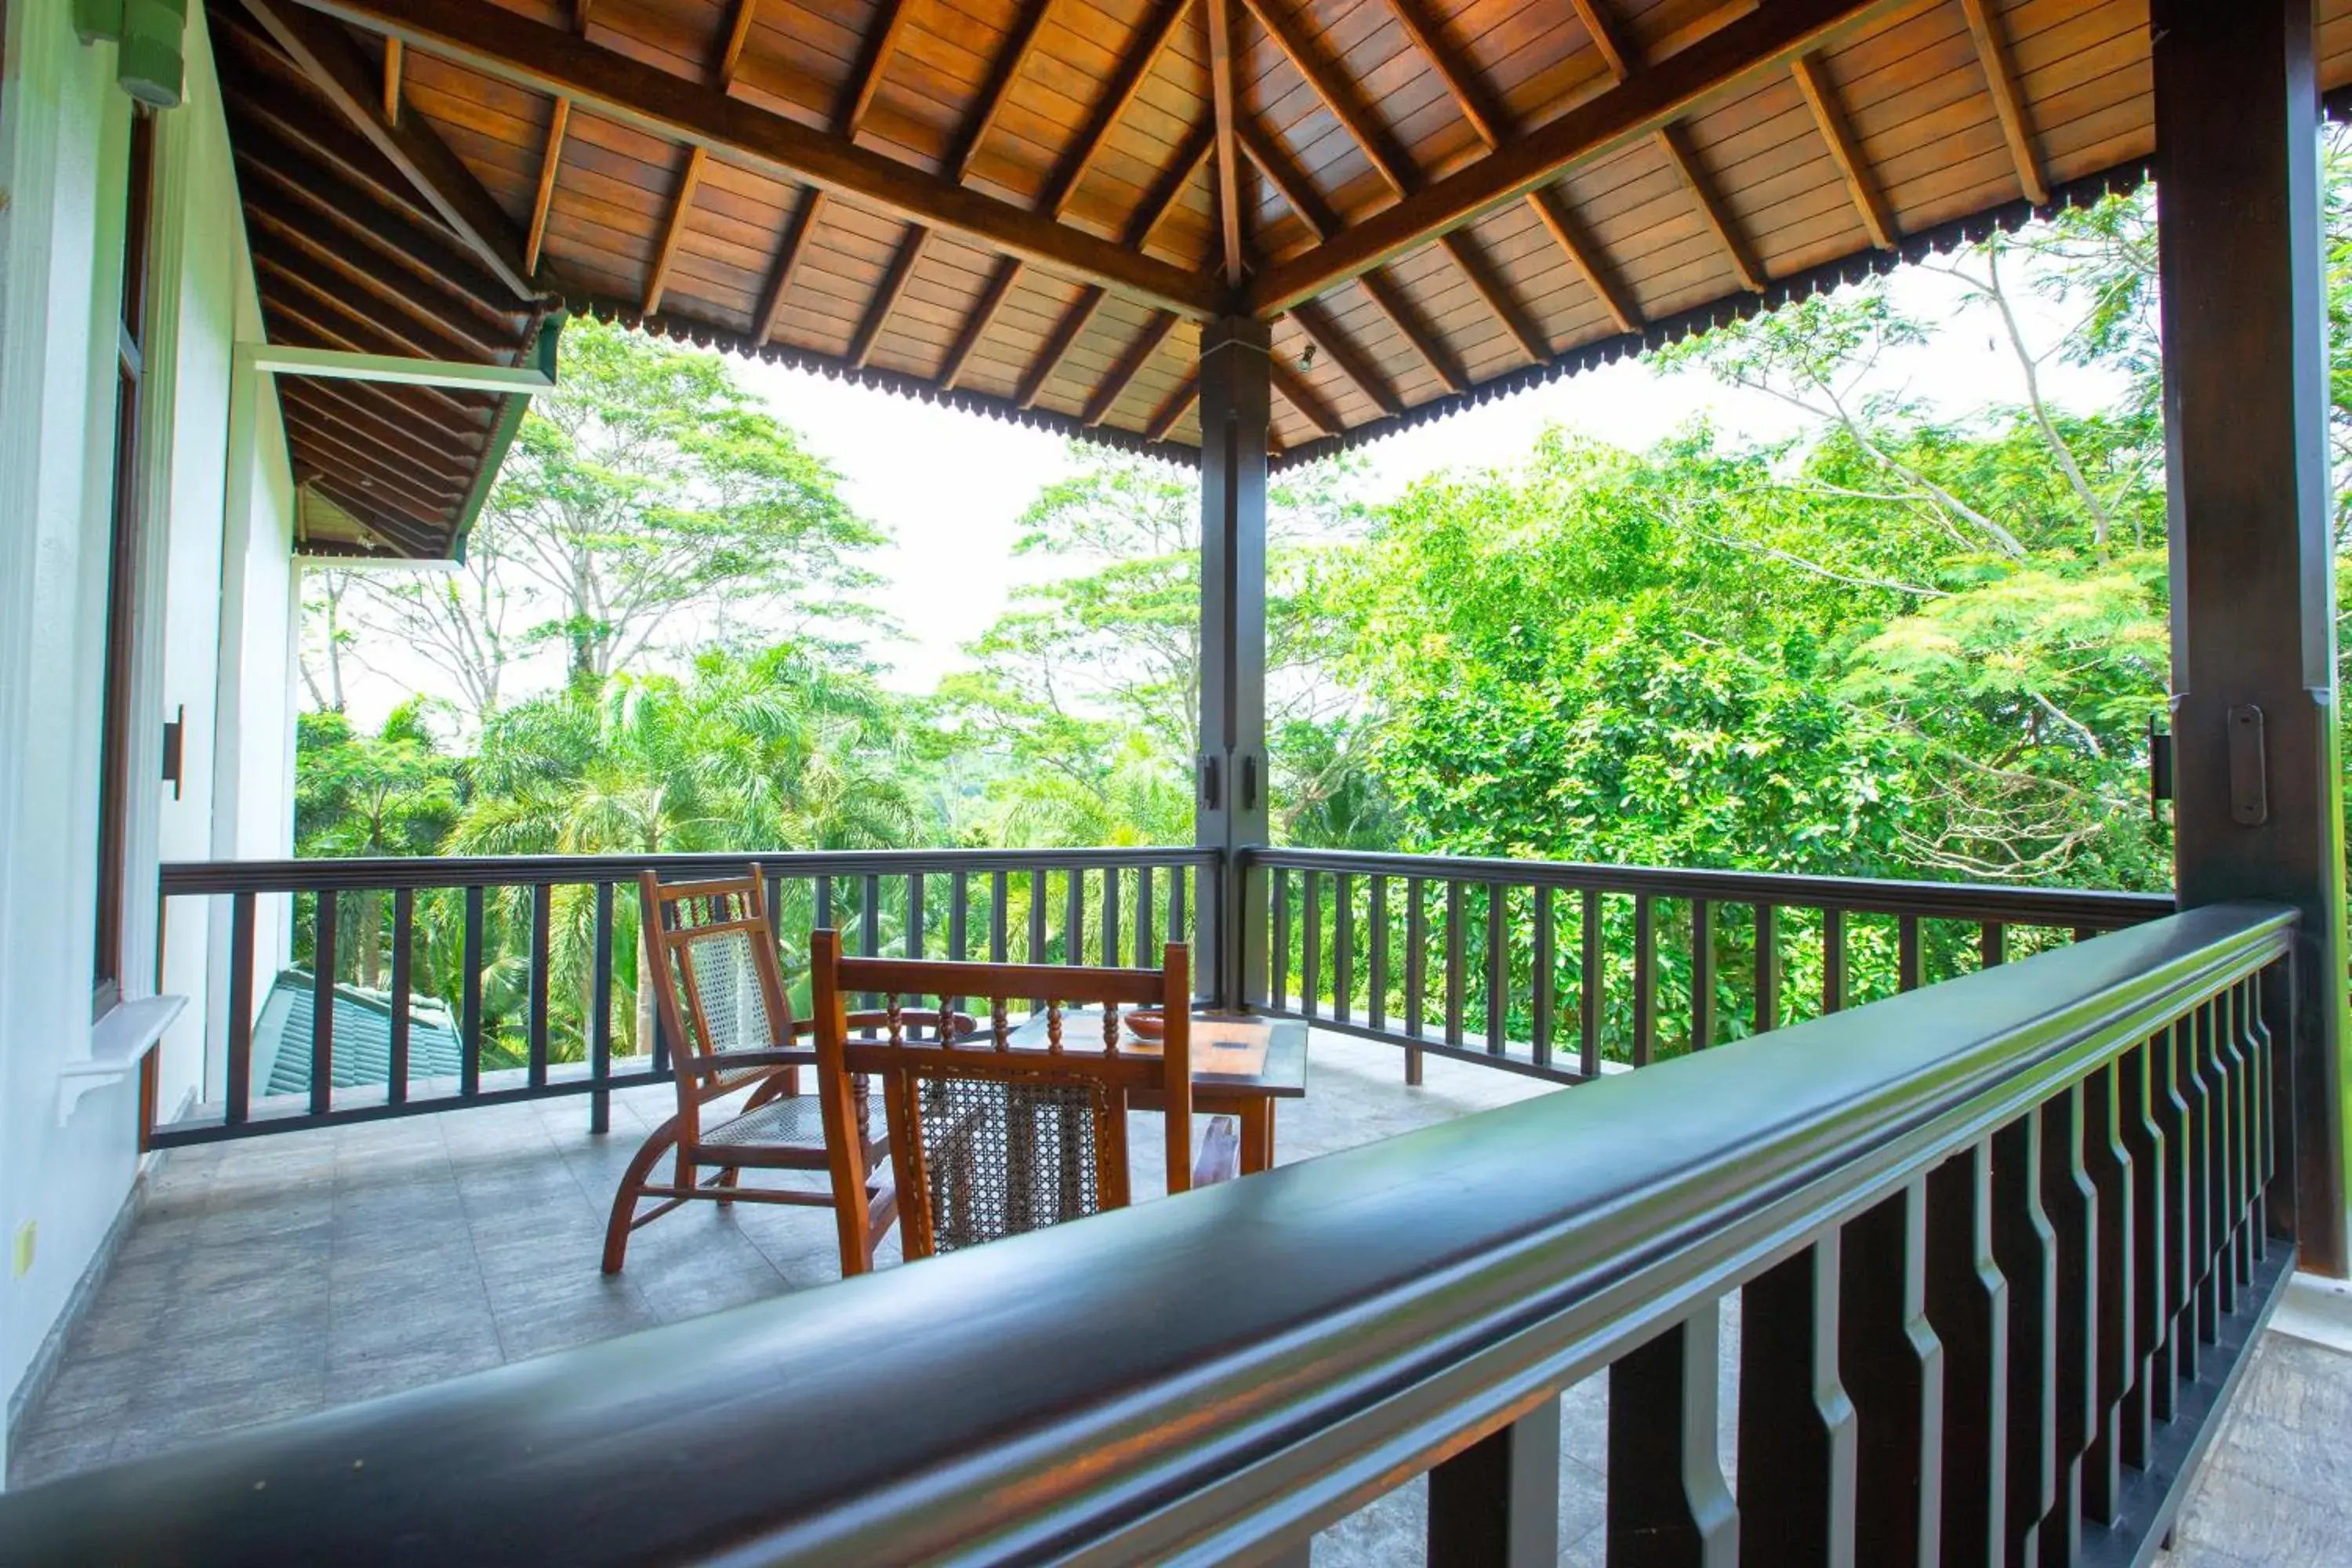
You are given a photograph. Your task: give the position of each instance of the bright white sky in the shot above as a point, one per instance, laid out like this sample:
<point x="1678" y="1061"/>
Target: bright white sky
<point x="950" y="487"/>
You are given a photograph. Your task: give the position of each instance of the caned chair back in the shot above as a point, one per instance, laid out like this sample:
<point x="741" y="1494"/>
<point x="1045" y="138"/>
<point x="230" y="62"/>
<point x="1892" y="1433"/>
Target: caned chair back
<point x="719" y="988"/>
<point x="988" y="1140"/>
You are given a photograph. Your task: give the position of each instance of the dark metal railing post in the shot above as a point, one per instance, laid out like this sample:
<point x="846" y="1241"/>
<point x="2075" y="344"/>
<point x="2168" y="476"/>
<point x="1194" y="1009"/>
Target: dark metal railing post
<point x="1496" y="1504"/>
<point x="1668" y="1505"/>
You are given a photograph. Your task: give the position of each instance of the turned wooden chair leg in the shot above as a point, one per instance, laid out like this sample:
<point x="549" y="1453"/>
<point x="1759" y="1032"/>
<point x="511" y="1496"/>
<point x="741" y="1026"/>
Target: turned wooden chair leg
<point x="633" y="1184"/>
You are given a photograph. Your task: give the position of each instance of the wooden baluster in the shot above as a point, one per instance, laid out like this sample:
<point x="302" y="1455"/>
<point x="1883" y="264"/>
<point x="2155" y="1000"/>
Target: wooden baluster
<point x="1833" y="961"/>
<point x="958" y="917"/>
<point x="999" y="1027"/>
<point x="2267" y="1086"/>
<point x="1074" y="916"/>
<point x="1702" y="1030"/>
<point x="1277" y="896"/>
<point x="1498" y="969"/>
<point x="1110" y="1028"/>
<point x="1052" y="1024"/>
<point x="1110" y="902"/>
<point x="1038" y="884"/>
<point x="891" y="1014"/>
<point x="542" y="934"/>
<point x="1668" y="1505"/>
<point x="1796" y="1428"/>
<point x="1968" y="1308"/>
<point x="1645" y="980"/>
<point x="2181" y="1206"/>
<point x="1456" y="981"/>
<point x="2025" y="1248"/>
<point x="2144" y="1141"/>
<point x="1310" y="945"/>
<point x="2237" y="1069"/>
<point x="403" y="934"/>
<point x="322" y="1006"/>
<point x="2070" y="1207"/>
<point x="1376" y="988"/>
<point x="238" y="1069"/>
<point x="1588" y="1000"/>
<point x="1539" y="1004"/>
<point x="1416" y="971"/>
<point x="1147" y="912"/>
<point x="1179" y="929"/>
<point x="2107" y="1165"/>
<point x="1000" y="916"/>
<point x="600" y="1011"/>
<point x="1768" y="968"/>
<point x="2199" y="1153"/>
<point x="1892" y="1366"/>
<point x="1496" y="1504"/>
<point x="469" y="1005"/>
<point x="1343" y="946"/>
<point x="869" y="923"/>
<point x="1992" y="944"/>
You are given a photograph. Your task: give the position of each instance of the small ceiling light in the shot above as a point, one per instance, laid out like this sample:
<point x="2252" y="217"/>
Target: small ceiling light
<point x="1307" y="359"/>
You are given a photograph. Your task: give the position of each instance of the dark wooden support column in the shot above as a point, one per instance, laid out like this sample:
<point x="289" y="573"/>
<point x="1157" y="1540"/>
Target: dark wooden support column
<point x="2254" y="645"/>
<point x="1229" y="805"/>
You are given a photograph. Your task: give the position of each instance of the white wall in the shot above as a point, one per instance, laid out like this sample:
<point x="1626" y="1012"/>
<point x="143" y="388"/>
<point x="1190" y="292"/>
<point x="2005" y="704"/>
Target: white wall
<point x="216" y="566"/>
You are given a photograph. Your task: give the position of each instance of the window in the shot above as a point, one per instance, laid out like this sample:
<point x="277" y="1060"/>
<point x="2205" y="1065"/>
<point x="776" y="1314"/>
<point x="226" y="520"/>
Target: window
<point x="116" y="798"/>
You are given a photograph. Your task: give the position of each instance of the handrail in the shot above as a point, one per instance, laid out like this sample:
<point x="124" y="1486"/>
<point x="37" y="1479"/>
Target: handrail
<point x="2089" y="909"/>
<point x="1210" y="1375"/>
<point x="378" y="873"/>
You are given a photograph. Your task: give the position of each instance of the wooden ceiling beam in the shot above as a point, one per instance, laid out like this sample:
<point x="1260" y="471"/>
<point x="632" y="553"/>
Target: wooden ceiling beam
<point x="419" y="537"/>
<point x="392" y="410"/>
<point x="422" y="338"/>
<point x="387" y="476"/>
<point x="1218" y="19"/>
<point x="1488" y="120"/>
<point x="1057" y="347"/>
<point x="1821" y="96"/>
<point x="1130" y="364"/>
<point x="392" y="82"/>
<point x="1001" y="76"/>
<point x="1763" y="39"/>
<point x="513" y="49"/>
<point x="1172" y="408"/>
<point x="1406" y="318"/>
<point x="885" y="298"/>
<point x="1497" y="296"/>
<point x="789" y="256"/>
<point x="1674" y="146"/>
<point x="362" y="422"/>
<point x="2000" y="80"/>
<point x="335" y="65"/>
<point x="874" y="63"/>
<point x="738" y="34"/>
<point x="1293" y="389"/>
<point x="1336" y="96"/>
<point x="1169" y="189"/>
<point x="1598" y="275"/>
<point x="673" y="232"/>
<point x="984" y="316"/>
<point x="361" y="337"/>
<point x="1614" y="51"/>
<point x="551" y="159"/>
<point x="1346" y="358"/>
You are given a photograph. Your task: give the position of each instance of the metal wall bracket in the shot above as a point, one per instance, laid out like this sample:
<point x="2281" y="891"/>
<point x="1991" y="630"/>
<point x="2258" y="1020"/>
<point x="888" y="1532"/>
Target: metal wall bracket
<point x="2249" y="793"/>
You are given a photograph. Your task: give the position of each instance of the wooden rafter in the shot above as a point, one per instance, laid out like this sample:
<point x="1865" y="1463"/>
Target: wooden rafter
<point x="1005" y="72"/>
<point x="1469" y="96"/>
<point x="789" y="256"/>
<point x="1291" y="389"/>
<point x="1336" y="96"/>
<point x="738" y="33"/>
<point x="363" y="423"/>
<point x="1403" y="316"/>
<point x="1225" y="113"/>
<point x="885" y="297"/>
<point x="1173" y="409"/>
<point x="1130" y="365"/>
<point x="865" y="81"/>
<point x="392" y="82"/>
<point x="1677" y="152"/>
<point x="673" y="233"/>
<point x="1763" y="39"/>
<point x="1288" y="183"/>
<point x="513" y="49"/>
<point x="1126" y="80"/>
<point x="1488" y="285"/>
<point x="1615" y="52"/>
<point x="1346" y="358"/>
<point x="421" y="336"/>
<point x="1057" y="347"/>
<point x="1821" y="94"/>
<point x="549" y="161"/>
<point x="1597" y="276"/>
<point x="1160" y="200"/>
<point x="1992" y="53"/>
<point x="984" y="316"/>
<point x="269" y="214"/>
<point x="333" y="63"/>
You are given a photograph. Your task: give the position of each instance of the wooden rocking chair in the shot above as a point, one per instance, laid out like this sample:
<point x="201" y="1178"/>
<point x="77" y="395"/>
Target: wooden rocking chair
<point x="719" y="997"/>
<point x="987" y="1141"/>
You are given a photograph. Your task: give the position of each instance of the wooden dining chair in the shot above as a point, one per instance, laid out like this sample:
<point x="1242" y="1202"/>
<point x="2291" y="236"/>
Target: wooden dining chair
<point x="987" y="1141"/>
<point x="719" y="997"/>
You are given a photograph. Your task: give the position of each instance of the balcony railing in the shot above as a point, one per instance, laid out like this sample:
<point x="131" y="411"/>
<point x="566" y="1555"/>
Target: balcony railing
<point x="2000" y="1249"/>
<point x="527" y="965"/>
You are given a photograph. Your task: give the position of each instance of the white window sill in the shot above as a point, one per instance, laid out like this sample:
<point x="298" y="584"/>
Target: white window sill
<point x="116" y="1043"/>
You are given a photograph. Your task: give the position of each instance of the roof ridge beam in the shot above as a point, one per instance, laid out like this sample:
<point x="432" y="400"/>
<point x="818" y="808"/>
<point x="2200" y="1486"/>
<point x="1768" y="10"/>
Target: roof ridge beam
<point x="548" y="59"/>
<point x="1763" y="39"/>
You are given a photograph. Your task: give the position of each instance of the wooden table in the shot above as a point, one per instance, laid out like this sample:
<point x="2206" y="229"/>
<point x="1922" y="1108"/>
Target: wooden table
<point x="1241" y="1066"/>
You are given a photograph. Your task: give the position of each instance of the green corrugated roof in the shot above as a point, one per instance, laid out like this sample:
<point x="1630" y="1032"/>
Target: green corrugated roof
<point x="363" y="1041"/>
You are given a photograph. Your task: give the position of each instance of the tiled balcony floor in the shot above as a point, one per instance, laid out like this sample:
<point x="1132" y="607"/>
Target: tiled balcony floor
<point x="288" y="1275"/>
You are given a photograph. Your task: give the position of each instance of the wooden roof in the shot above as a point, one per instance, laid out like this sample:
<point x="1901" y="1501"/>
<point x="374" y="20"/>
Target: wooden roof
<point x="1029" y="206"/>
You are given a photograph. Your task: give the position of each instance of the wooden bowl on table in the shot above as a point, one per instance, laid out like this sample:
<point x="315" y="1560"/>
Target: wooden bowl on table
<point x="1147" y="1023"/>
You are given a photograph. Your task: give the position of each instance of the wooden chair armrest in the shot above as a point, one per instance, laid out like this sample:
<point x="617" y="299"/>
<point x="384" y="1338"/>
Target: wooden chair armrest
<point x="1221" y="1153"/>
<point x="727" y="1061"/>
<point x="878" y="1018"/>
